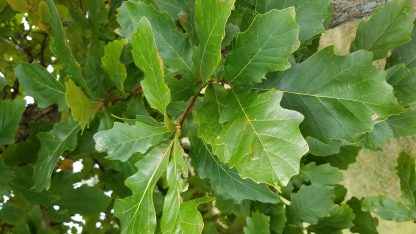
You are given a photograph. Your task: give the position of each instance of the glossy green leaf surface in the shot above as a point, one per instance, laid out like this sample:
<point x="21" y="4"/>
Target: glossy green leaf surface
<point x="257" y="133"/>
<point x="63" y="137"/>
<point x="338" y="95"/>
<point x="148" y="60"/>
<point x="172" y="45"/>
<point x="41" y="85"/>
<point x="83" y="110"/>
<point x="10" y="115"/>
<point x="210" y="20"/>
<point x="264" y="47"/>
<point x="112" y="65"/>
<point x="257" y="223"/>
<point x="389" y="26"/>
<point x="225" y="181"/>
<point x="123" y="140"/>
<point x="136" y="212"/>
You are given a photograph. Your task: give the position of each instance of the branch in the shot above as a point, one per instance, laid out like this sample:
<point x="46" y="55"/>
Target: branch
<point x="189" y="106"/>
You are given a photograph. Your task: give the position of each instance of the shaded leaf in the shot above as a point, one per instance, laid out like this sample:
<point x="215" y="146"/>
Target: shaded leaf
<point x="387" y="208"/>
<point x="341" y="217"/>
<point x="378" y="136"/>
<point x="264" y="47"/>
<point x="403" y="81"/>
<point x="323" y="174"/>
<point x="257" y="223"/>
<point x="63" y="137"/>
<point x="225" y="181"/>
<point x="123" y="140"/>
<point x="83" y="110"/>
<point x="112" y="65"/>
<point x="405" y="169"/>
<point x="147" y="59"/>
<point x="210" y="20"/>
<point x="10" y="114"/>
<point x="404" y="53"/>
<point x="310" y="203"/>
<point x="41" y="85"/>
<point x="364" y="223"/>
<point x="341" y="97"/>
<point x="389" y="26"/>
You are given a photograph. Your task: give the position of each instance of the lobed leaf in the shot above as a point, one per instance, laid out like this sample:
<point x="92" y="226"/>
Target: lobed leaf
<point x="210" y="20"/>
<point x="112" y="65"/>
<point x="403" y="81"/>
<point x="341" y="97"/>
<point x="257" y="223"/>
<point x="264" y="47"/>
<point x="404" y="124"/>
<point x="389" y="26"/>
<point x="406" y="171"/>
<point x="146" y="57"/>
<point x="387" y="208"/>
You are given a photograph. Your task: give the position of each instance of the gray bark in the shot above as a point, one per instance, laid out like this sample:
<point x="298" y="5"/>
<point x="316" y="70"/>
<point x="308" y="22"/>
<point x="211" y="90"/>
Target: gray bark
<point x="345" y="10"/>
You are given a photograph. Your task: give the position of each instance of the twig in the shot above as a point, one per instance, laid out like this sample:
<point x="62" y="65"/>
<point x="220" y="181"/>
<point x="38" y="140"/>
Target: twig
<point x="189" y="106"/>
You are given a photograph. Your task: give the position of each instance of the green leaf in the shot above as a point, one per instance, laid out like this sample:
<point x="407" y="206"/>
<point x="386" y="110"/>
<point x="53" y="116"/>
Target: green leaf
<point x="176" y="175"/>
<point x="404" y="53"/>
<point x="191" y="219"/>
<point x="85" y="200"/>
<point x="63" y="137"/>
<point x="61" y="48"/>
<point x="318" y="148"/>
<point x="124" y="140"/>
<point x="173" y="46"/>
<point x="210" y="20"/>
<point x="340" y="96"/>
<point x="341" y="217"/>
<point x="41" y="85"/>
<point x="406" y="171"/>
<point x="404" y="124"/>
<point x="387" y="208"/>
<point x="364" y="223"/>
<point x="310" y="203"/>
<point x="323" y="174"/>
<point x="147" y="59"/>
<point x="257" y="223"/>
<point x="403" y="81"/>
<point x="83" y="110"/>
<point x="10" y="114"/>
<point x="257" y="134"/>
<point x="310" y="15"/>
<point x="136" y="212"/>
<point x="376" y="138"/>
<point x="111" y="62"/>
<point x="389" y="26"/>
<point x="225" y="181"/>
<point x="264" y="47"/>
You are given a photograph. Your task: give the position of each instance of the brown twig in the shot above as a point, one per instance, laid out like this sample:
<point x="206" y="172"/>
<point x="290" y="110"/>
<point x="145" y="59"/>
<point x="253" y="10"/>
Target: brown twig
<point x="189" y="106"/>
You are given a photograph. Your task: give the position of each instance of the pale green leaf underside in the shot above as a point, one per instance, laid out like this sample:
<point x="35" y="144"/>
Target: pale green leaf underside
<point x="255" y="134"/>
<point x="123" y="140"/>
<point x="389" y="26"/>
<point x="264" y="47"/>
<point x="210" y="20"/>
<point x="146" y="57"/>
<point x="41" y="85"/>
<point x="225" y="181"/>
<point x="61" y="138"/>
<point x="387" y="208"/>
<point x="112" y="65"/>
<point x="341" y="97"/>
<point x="173" y="46"/>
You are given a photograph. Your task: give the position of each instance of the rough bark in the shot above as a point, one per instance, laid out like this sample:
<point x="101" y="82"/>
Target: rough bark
<point x="345" y="10"/>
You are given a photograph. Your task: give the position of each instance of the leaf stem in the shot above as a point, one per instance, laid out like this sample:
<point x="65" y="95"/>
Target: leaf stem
<point x="189" y="106"/>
